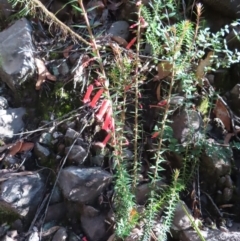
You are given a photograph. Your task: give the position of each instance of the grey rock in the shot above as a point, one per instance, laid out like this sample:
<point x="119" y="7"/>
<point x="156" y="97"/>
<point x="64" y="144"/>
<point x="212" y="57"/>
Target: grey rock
<point x="77" y="154"/>
<point x="212" y="235"/>
<point x="119" y="28"/>
<point x="186" y="125"/>
<point x="70" y="136"/>
<point x="34" y="236"/>
<point x="63" y="68"/>
<point x="234" y="100"/>
<point x="227" y="194"/>
<point x="143" y="191"/>
<point x="17" y="225"/>
<point x="94" y="227"/>
<point x="83" y="184"/>
<point x="42" y="152"/>
<point x="226" y="8"/>
<point x="22" y="194"/>
<point x="228" y="181"/>
<point x="215" y="162"/>
<point x="89" y="211"/>
<point x="73" y="237"/>
<point x="45" y="138"/>
<point x="11" y="236"/>
<point x="97" y="160"/>
<point x="16" y="51"/>
<point x="56" y="212"/>
<point x="181" y="220"/>
<point x="3" y="229"/>
<point x="56" y="196"/>
<point x="11" y="122"/>
<point x="9" y="161"/>
<point x="57" y="134"/>
<point x="60" y="235"/>
<point x="3" y="103"/>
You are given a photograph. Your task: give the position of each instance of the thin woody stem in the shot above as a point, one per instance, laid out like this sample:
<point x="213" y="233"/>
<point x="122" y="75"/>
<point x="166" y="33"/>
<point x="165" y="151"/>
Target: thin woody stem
<point x="134" y="183"/>
<point x="94" y="44"/>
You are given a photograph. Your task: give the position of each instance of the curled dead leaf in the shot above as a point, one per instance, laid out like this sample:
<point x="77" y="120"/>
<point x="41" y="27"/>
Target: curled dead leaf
<point x="164" y="69"/>
<point x="15" y="148"/>
<point x="158" y="92"/>
<point x="228" y="138"/>
<point x="121" y="41"/>
<point x="222" y="113"/>
<point x="20" y="146"/>
<point x="43" y="73"/>
<point x="204" y="63"/>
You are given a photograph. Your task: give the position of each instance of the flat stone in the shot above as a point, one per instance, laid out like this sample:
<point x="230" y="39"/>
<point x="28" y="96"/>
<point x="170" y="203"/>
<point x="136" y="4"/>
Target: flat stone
<point x="83" y="185"/>
<point x="186" y="125"/>
<point x="60" y="235"/>
<point x="11" y="122"/>
<point x="119" y="28"/>
<point x="22" y="194"/>
<point x="42" y="152"/>
<point x="16" y="51"/>
<point x="76" y="155"/>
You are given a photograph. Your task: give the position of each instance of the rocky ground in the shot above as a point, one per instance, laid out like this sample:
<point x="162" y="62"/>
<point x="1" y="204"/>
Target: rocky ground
<point x="56" y="180"/>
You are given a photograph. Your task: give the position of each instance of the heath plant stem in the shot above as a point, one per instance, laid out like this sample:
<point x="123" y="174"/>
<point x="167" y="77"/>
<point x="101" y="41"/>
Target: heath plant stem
<point x="93" y="43"/>
<point x="134" y="182"/>
<point x="165" y="116"/>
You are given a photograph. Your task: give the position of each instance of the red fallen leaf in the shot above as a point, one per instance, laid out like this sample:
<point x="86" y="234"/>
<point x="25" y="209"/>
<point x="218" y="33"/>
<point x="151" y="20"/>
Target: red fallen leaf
<point x="222" y="113"/>
<point x="43" y="73"/>
<point x="131" y="43"/>
<point x="67" y="51"/>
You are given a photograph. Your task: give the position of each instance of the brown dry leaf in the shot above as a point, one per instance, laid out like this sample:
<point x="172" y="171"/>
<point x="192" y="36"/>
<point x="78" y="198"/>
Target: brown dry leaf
<point x="228" y="138"/>
<point x="164" y="69"/>
<point x="204" y="63"/>
<point x="26" y="146"/>
<point x="121" y="41"/>
<point x="20" y="146"/>
<point x="66" y="51"/>
<point x="15" y="148"/>
<point x="158" y="92"/>
<point x="222" y="113"/>
<point x="43" y="73"/>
